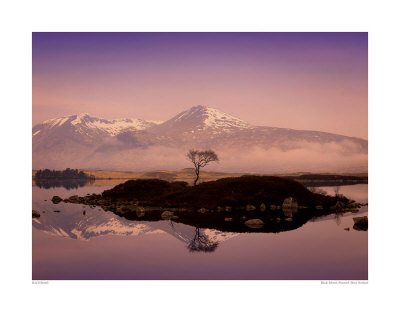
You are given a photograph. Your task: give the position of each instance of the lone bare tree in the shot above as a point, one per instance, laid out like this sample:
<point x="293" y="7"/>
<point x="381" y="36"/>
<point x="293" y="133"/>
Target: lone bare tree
<point x="201" y="159"/>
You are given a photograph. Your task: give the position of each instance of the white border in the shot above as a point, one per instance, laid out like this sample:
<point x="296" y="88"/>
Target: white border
<point x="200" y="299"/>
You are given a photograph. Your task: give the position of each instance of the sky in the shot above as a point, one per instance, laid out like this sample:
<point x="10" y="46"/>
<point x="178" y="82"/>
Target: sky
<point x="308" y="81"/>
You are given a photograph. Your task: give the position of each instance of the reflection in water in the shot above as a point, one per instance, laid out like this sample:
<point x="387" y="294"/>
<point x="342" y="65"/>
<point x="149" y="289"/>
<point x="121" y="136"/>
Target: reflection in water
<point x="361" y="227"/>
<point x="338" y="216"/>
<point x="201" y="242"/>
<point x="289" y="212"/>
<point x="140" y="212"/>
<point x="67" y="184"/>
<point x="84" y="223"/>
<point x="81" y="242"/>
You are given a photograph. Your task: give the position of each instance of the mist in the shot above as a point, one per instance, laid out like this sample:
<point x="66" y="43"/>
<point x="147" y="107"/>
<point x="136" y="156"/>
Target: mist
<point x="306" y="156"/>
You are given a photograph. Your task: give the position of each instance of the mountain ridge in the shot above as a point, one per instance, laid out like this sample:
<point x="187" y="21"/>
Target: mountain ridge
<point x="86" y="141"/>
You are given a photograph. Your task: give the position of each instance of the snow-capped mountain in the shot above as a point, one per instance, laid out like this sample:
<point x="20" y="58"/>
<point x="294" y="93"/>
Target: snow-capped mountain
<point x="84" y="141"/>
<point x="85" y="124"/>
<point x="201" y="119"/>
<point x="73" y="224"/>
<point x="186" y="233"/>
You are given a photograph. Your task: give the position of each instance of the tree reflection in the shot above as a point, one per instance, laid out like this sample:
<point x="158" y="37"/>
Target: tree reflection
<point x="201" y="242"/>
<point x="338" y="217"/>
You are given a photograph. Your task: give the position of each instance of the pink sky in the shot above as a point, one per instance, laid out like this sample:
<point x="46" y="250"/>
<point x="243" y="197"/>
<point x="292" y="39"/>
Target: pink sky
<point x="312" y="81"/>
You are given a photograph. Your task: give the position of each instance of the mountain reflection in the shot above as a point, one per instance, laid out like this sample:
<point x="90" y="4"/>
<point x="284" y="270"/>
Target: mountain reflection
<point x="70" y="222"/>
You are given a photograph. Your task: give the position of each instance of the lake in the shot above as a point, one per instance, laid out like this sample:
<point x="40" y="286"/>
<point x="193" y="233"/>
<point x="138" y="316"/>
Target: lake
<point x="83" y="243"/>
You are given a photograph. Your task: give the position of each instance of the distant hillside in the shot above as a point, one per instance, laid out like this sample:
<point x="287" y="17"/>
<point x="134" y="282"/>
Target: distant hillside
<point x="84" y="141"/>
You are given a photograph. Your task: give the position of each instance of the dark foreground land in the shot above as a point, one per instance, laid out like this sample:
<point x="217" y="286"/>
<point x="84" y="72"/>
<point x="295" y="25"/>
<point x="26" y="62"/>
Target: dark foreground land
<point x="239" y="204"/>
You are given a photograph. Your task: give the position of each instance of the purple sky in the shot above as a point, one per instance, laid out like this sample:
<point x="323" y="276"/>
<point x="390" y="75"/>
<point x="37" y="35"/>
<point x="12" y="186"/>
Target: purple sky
<point x="315" y="81"/>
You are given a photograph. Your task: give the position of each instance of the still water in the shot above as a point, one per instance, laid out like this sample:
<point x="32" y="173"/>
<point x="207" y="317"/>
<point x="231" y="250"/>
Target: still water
<point x="101" y="245"/>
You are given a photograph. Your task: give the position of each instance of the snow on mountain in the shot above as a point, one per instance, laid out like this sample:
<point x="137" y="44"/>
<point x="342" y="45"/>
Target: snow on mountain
<point x="210" y="118"/>
<point x="220" y="120"/>
<point x="72" y="224"/>
<point x="133" y="144"/>
<point x="186" y="233"/>
<point x="99" y="223"/>
<point x="200" y="119"/>
<point x="84" y="122"/>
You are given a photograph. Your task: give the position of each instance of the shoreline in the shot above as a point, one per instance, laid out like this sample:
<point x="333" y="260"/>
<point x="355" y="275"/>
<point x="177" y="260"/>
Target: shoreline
<point x="270" y="204"/>
<point x="187" y="175"/>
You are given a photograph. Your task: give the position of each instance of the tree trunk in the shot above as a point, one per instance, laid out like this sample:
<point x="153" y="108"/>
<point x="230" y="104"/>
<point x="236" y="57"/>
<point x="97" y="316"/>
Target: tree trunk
<point x="197" y="171"/>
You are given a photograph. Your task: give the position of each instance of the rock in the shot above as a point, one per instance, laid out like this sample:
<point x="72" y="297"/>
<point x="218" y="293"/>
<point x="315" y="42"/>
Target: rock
<point x="290" y="207"/>
<point x="288" y="212"/>
<point x="272" y="207"/>
<point x="290" y="203"/>
<point x="103" y="202"/>
<point x="361" y="220"/>
<point x="263" y="207"/>
<point x="250" y="207"/>
<point x="56" y="210"/>
<point x="56" y="199"/>
<point x="347" y="229"/>
<point x="84" y="212"/>
<point x="289" y="219"/>
<point x="228" y="219"/>
<point x="339" y="206"/>
<point x="35" y="214"/>
<point x="220" y="209"/>
<point x="202" y="210"/>
<point x="131" y="207"/>
<point x="123" y="209"/>
<point x="278" y="220"/>
<point x="354" y="210"/>
<point x="140" y="211"/>
<point x="360" y="223"/>
<point x="353" y="205"/>
<point x="166" y="215"/>
<point x="73" y="199"/>
<point x="228" y="209"/>
<point x="243" y="218"/>
<point x="360" y="227"/>
<point x="254" y="223"/>
<point x="319" y="207"/>
<point x="107" y="208"/>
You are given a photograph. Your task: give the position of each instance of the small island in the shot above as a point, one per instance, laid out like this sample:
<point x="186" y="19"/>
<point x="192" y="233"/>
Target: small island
<point x="68" y="178"/>
<point x="62" y="175"/>
<point x="238" y="204"/>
